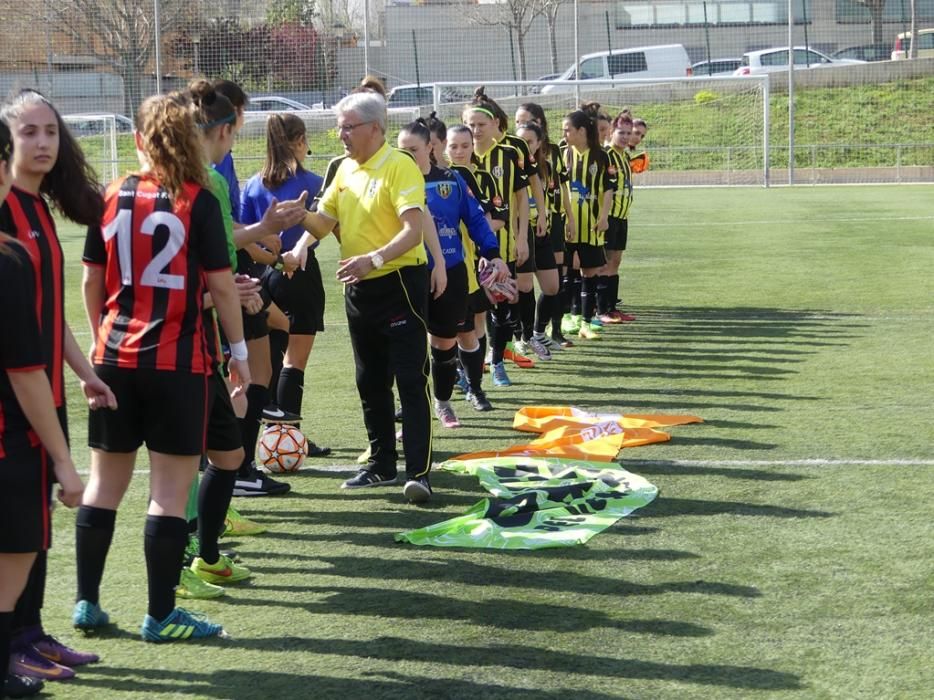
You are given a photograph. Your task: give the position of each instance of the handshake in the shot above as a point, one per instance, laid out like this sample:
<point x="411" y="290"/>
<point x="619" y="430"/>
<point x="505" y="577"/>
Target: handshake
<point x="498" y="288"/>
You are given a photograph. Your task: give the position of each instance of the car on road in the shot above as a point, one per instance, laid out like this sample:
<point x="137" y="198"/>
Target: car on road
<point x="774" y="60"/>
<point x="276" y="103"/>
<point x="716" y="66"/>
<point x="92" y="124"/>
<point x="667" y="61"/>
<point x="903" y="45"/>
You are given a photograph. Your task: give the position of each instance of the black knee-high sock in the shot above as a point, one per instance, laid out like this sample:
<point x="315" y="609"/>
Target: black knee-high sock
<point x="472" y="360"/>
<point x="574" y="290"/>
<point x="588" y="301"/>
<point x="213" y="500"/>
<point x="614" y="290"/>
<point x="94" y="529"/>
<point x="561" y="302"/>
<point x="164" y="545"/>
<point x="443" y="372"/>
<point x="564" y="291"/>
<point x="257" y="397"/>
<point x="6" y="625"/>
<point x="515" y="318"/>
<point x="602" y="294"/>
<point x="28" y="611"/>
<point x="278" y="342"/>
<point x="527" y="311"/>
<point x="545" y="311"/>
<point x="290" y="389"/>
<point x="483" y="346"/>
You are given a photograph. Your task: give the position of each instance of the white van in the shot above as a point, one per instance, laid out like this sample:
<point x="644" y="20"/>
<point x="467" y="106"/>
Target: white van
<point x="667" y="61"/>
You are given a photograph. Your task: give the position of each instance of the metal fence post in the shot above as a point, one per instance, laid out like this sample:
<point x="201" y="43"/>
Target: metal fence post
<point x="157" y="34"/>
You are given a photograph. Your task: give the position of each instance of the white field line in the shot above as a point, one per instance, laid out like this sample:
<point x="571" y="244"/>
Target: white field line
<point x="784" y="222"/>
<point x="350" y="468"/>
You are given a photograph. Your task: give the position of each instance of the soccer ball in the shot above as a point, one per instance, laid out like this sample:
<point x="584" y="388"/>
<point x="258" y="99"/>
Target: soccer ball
<point x="282" y="448"/>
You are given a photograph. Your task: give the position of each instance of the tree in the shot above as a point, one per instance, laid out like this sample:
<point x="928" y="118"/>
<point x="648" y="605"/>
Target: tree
<point x="550" y="10"/>
<point x="913" y="47"/>
<point x="875" y="8"/>
<point x="222" y="48"/>
<point x="516" y="15"/>
<point x="118" y="33"/>
<point x="301" y="12"/>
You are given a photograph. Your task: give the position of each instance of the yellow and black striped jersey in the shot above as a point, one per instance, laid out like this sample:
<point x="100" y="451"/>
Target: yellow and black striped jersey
<point x="329" y="174"/>
<point x="503" y="163"/>
<point x="589" y="177"/>
<point x="483" y="188"/>
<point x="619" y="165"/>
<point x="556" y="174"/>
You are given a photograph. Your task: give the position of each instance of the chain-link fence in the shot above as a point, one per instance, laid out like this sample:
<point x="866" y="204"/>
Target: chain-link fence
<point x="863" y="84"/>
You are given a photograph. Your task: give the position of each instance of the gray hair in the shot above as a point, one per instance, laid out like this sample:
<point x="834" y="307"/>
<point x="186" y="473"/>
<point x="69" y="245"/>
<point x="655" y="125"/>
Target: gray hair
<point x="369" y="106"/>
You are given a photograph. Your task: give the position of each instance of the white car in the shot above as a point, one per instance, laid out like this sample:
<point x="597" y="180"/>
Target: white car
<point x="665" y="61"/>
<point x="773" y="60"/>
<point x="276" y="103"/>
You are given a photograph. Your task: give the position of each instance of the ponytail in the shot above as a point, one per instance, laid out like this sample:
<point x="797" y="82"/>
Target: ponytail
<point x="282" y="130"/>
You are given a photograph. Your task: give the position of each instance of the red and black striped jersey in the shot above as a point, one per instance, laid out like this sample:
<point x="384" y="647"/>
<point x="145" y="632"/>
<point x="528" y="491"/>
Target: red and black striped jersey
<point x="619" y="166"/>
<point x="27" y="218"/>
<point x="20" y="345"/>
<point x="589" y="176"/>
<point x="156" y="252"/>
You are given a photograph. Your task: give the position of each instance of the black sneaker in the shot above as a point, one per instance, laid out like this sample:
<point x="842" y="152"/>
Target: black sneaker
<point x="365" y="478"/>
<point x="21" y="686"/>
<point x="317" y="451"/>
<point x="259" y="483"/>
<point x="561" y="340"/>
<point x="479" y="401"/>
<point x="274" y="414"/>
<point x="398" y="414"/>
<point x="417" y="490"/>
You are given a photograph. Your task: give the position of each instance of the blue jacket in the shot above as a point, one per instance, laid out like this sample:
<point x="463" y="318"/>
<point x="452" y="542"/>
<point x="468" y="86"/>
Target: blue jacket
<point x="451" y="202"/>
<point x="255" y="200"/>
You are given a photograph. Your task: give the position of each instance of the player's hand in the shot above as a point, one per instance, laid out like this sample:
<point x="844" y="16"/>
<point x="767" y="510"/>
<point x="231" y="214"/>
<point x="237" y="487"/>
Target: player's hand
<point x="98" y="393"/>
<point x="70" y="486"/>
<point x="541" y="227"/>
<point x="282" y="215"/>
<point x="239" y="372"/>
<point x="439" y="281"/>
<point x="272" y="243"/>
<point x="253" y="304"/>
<point x="602" y="224"/>
<point x="500" y="269"/>
<point x="294" y="259"/>
<point x="352" y="270"/>
<point x="522" y="252"/>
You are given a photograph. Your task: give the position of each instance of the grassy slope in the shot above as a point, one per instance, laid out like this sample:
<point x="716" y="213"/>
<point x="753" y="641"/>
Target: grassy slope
<point x="795" y="322"/>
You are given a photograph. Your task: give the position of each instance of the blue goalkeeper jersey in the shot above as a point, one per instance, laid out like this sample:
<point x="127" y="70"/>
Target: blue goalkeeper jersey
<point x="451" y="202"/>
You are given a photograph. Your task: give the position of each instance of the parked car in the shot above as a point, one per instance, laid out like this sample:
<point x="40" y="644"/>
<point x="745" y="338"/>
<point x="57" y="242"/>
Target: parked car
<point x="420" y="95"/>
<point x="866" y="52"/>
<point x="772" y="60"/>
<point x="276" y="103"/>
<point x="92" y="124"/>
<point x="925" y="44"/>
<point x="667" y="61"/>
<point x="716" y="66"/>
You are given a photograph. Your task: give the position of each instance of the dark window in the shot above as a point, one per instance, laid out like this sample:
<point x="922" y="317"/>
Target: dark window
<point x="894" y="11"/>
<point x="627" y="63"/>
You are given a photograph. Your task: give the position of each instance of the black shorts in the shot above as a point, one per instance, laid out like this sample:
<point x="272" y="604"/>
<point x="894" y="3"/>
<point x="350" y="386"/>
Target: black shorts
<point x="477" y="303"/>
<point x="557" y="232"/>
<point x="544" y="254"/>
<point x="617" y="234"/>
<point x="300" y="296"/>
<point x="165" y="410"/>
<point x="223" y="433"/>
<point x="589" y="256"/>
<point x="254" y="325"/>
<point x="447" y="313"/>
<point x="25" y="493"/>
<point x="529" y="264"/>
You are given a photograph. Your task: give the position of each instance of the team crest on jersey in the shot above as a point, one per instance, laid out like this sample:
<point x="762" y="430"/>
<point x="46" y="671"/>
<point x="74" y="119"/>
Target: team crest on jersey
<point x="497" y="171"/>
<point x="592" y="169"/>
<point x="444" y="189"/>
<point x="371" y="190"/>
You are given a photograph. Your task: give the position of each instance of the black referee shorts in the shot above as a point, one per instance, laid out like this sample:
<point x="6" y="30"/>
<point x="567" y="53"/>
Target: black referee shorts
<point x="617" y="234"/>
<point x="300" y="296"/>
<point x="165" y="410"/>
<point x="223" y="432"/>
<point x="25" y="493"/>
<point x="447" y="313"/>
<point x="255" y="326"/>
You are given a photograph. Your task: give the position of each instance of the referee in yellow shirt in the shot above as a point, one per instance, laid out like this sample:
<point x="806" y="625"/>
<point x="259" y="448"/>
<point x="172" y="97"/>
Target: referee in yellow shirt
<point x="378" y="196"/>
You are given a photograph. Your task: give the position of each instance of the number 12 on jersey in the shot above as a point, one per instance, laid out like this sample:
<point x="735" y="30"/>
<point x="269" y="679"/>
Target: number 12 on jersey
<point x="153" y="275"/>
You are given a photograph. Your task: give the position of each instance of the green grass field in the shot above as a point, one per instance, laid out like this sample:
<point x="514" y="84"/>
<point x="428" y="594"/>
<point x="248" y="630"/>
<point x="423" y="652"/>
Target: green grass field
<point x="789" y="553"/>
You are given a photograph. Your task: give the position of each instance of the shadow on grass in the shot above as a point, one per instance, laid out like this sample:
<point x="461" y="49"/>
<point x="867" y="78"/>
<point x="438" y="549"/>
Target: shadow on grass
<point x="672" y="468"/>
<point x="238" y="684"/>
<point x="506" y="614"/>
<point x="673" y="507"/>
<point x="472" y="574"/>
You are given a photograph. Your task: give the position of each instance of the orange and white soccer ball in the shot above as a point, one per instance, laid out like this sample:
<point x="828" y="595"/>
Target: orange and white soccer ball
<point x="282" y="448"/>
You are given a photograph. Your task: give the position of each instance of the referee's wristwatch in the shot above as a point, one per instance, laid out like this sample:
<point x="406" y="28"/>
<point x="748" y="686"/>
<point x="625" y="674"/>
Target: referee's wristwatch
<point x="280" y="262"/>
<point x="376" y="260"/>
